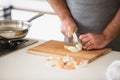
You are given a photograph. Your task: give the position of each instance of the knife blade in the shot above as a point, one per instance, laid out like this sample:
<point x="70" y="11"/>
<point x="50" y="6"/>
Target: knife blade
<point x="75" y="40"/>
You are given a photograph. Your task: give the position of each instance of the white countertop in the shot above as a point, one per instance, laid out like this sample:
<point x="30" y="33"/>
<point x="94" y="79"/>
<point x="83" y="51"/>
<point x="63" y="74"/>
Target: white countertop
<point x="20" y="65"/>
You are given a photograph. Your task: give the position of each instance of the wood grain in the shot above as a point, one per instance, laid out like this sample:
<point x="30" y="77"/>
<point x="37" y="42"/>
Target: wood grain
<point x="56" y="48"/>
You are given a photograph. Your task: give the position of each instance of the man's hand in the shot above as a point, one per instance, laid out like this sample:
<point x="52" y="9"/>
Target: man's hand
<point x="93" y="41"/>
<point x="68" y="27"/>
<point x="68" y="24"/>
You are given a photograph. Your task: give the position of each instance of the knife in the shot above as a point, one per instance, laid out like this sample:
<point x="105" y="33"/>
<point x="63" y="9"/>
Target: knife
<point x="75" y="40"/>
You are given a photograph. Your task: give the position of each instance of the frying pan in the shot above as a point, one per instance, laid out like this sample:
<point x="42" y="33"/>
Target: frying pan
<point x="15" y="29"/>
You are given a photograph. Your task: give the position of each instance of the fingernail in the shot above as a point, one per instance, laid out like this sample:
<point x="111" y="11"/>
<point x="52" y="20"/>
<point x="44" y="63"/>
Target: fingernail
<point x="84" y="47"/>
<point x="80" y="37"/>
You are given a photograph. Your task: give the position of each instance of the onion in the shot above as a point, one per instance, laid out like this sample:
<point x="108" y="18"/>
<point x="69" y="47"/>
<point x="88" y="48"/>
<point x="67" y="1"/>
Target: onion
<point x="75" y="48"/>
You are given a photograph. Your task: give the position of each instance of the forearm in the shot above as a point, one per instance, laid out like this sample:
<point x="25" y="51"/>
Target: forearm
<point x="113" y="29"/>
<point x="60" y="8"/>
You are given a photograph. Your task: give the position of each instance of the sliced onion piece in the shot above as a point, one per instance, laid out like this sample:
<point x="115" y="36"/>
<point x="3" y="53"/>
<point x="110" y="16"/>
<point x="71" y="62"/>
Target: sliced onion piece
<point x="75" y="48"/>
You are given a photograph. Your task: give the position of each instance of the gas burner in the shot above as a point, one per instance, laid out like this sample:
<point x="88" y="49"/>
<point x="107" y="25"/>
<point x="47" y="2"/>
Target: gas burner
<point x="7" y="46"/>
<point x="10" y="44"/>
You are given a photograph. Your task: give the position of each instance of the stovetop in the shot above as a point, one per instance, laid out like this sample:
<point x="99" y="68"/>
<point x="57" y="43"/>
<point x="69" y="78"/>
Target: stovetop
<point x="10" y="46"/>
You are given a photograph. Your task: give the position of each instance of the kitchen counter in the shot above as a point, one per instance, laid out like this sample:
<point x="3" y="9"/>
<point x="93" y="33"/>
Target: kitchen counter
<point x="19" y="65"/>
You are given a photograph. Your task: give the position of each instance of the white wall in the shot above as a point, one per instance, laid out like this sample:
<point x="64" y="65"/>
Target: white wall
<point x="46" y="27"/>
<point x="34" y="5"/>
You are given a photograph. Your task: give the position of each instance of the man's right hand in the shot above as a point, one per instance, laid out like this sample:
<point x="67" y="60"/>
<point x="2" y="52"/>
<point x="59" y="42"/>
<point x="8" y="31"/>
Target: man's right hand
<point x="68" y="27"/>
<point x="68" y="24"/>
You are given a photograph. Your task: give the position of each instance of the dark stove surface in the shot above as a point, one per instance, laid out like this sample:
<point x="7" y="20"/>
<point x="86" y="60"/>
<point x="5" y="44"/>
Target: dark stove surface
<point x="9" y="46"/>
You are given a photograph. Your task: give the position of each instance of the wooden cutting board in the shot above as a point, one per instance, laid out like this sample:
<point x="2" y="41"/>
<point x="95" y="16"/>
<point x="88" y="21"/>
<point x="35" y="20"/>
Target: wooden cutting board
<point x="56" y="48"/>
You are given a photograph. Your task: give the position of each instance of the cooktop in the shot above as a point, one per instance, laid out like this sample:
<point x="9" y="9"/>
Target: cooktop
<point x="9" y="46"/>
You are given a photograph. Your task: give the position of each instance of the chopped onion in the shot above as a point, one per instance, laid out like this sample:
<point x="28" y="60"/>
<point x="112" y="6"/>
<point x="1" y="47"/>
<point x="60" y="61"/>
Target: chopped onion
<point x="75" y="48"/>
<point x="66" y="62"/>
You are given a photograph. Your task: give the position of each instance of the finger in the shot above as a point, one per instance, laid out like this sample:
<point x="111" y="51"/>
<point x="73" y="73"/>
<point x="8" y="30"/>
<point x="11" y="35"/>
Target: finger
<point x="90" y="47"/>
<point x="83" y="36"/>
<point x="69" y="35"/>
<point x="62" y="29"/>
<point x="84" y="41"/>
<point x="87" y="45"/>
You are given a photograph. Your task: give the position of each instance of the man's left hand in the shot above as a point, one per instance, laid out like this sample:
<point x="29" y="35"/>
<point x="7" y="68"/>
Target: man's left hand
<point x="93" y="41"/>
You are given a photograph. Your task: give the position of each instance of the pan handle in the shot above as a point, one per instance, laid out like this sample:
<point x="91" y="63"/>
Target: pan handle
<point x="36" y="16"/>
